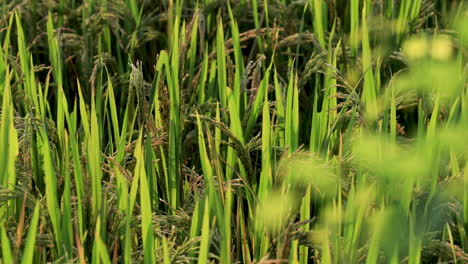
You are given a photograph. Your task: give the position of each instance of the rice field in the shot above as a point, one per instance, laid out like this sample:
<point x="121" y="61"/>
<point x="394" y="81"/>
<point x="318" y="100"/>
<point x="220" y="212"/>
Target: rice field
<point x="234" y="131"/>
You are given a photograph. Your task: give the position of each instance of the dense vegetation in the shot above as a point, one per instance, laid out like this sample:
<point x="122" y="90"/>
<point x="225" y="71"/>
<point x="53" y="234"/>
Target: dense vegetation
<point x="242" y="131"/>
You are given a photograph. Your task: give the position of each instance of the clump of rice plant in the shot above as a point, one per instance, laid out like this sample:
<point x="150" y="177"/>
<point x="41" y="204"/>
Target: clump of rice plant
<point x="249" y="131"/>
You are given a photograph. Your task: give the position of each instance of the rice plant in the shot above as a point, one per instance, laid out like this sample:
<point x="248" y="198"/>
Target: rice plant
<point x="223" y="131"/>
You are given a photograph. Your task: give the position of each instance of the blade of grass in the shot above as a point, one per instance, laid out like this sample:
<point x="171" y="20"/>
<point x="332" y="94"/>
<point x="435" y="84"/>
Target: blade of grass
<point x="28" y="252"/>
